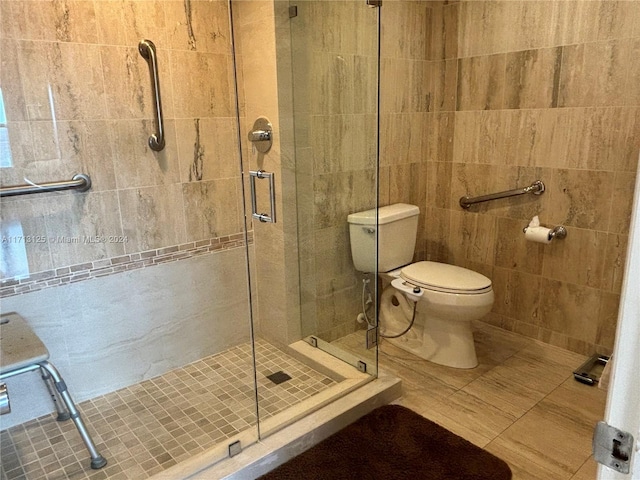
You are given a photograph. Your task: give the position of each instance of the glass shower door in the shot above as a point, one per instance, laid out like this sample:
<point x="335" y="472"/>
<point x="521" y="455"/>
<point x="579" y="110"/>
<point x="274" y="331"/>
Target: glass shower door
<point x="335" y="63"/>
<point x="138" y="286"/>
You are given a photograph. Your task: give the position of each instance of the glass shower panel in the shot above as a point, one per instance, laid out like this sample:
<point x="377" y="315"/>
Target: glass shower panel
<point x="335" y="58"/>
<point x="138" y="287"/>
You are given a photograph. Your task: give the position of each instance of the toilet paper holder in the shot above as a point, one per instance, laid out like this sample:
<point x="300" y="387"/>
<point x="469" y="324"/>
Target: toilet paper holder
<point x="556" y="232"/>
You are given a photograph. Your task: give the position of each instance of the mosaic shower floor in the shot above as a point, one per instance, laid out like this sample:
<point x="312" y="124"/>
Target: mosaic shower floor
<point x="148" y="427"/>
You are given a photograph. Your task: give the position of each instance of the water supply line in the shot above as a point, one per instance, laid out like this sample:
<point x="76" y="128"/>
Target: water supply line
<point x="414" y="296"/>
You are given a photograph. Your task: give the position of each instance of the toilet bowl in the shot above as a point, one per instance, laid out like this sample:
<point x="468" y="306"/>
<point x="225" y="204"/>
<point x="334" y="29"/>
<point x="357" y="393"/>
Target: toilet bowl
<point x="452" y="297"/>
<point x="449" y="299"/>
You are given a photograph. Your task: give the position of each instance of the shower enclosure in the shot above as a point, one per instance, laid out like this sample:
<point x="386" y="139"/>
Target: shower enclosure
<point x="182" y="323"/>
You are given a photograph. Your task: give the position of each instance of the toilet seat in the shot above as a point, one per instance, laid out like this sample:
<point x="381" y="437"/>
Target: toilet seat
<point x="442" y="277"/>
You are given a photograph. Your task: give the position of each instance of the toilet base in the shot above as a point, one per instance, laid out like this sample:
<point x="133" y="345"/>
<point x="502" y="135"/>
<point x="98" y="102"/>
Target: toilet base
<point x="448" y="343"/>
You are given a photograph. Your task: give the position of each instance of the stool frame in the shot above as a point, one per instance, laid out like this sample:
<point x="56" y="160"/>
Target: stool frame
<point x="58" y="390"/>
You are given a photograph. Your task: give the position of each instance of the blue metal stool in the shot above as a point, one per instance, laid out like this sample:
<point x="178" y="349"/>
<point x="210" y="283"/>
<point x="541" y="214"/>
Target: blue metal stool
<point x="22" y="351"/>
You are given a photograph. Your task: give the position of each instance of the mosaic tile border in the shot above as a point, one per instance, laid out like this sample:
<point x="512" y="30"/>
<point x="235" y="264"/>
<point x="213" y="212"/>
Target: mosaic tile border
<point x="109" y="266"/>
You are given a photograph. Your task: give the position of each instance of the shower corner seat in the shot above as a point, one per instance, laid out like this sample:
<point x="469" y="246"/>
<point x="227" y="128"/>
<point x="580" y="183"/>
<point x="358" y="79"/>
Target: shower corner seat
<point x="21" y="351"/>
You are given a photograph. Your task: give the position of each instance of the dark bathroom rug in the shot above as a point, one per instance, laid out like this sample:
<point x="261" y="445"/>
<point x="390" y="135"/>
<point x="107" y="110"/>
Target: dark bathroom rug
<point x="393" y="443"/>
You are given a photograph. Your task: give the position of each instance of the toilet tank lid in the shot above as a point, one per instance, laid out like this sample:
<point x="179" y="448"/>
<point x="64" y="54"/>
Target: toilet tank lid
<point x="445" y="276"/>
<point x="387" y="214"/>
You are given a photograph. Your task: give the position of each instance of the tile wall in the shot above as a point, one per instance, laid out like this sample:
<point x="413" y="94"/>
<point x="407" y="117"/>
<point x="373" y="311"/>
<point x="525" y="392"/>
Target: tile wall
<point x="508" y="93"/>
<point x="78" y="99"/>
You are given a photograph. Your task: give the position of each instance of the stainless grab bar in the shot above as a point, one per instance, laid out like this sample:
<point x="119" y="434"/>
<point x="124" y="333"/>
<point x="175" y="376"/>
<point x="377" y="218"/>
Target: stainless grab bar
<point x="148" y="51"/>
<point x="263" y="217"/>
<point x="80" y="182"/>
<point x="536" y="188"/>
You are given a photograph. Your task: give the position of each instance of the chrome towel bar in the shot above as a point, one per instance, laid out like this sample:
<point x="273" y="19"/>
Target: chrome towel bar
<point x="536" y="188"/>
<point x="80" y="182"/>
<point x="148" y="51"/>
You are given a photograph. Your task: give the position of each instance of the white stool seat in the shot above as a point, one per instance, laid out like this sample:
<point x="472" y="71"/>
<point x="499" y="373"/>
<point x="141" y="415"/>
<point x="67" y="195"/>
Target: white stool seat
<point x="19" y="346"/>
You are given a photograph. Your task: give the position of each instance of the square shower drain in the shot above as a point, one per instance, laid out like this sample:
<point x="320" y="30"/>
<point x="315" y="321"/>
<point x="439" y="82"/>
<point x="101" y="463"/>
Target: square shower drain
<point x="279" y="377"/>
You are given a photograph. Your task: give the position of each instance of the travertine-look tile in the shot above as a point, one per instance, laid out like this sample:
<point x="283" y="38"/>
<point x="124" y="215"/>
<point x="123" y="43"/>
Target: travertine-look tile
<point x="206" y="91"/>
<point x="444" y="31"/>
<point x="21" y="217"/>
<point x="514" y="251"/>
<point x="136" y="165"/>
<point x="438" y="184"/>
<point x="569" y="308"/>
<point x="532" y="78"/>
<point x="517" y="295"/>
<point x="481" y="82"/>
<point x="152" y="217"/>
<point x="198" y="26"/>
<point x="602" y="138"/>
<point x="607" y="319"/>
<point x="86" y="227"/>
<point x="137" y="20"/>
<point x="10" y="76"/>
<point x="128" y="87"/>
<point x="581" y="198"/>
<point x="62" y="81"/>
<point x="437" y="234"/>
<point x="414" y="96"/>
<point x="614" y="262"/>
<point x="343" y="143"/>
<point x="403" y="30"/>
<point x="64" y="21"/>
<point x="442" y="77"/>
<point x="587" y="268"/>
<point x="338" y="195"/>
<point x="407" y="184"/>
<point x="530" y="390"/>
<point x="438" y="136"/>
<point x="622" y="203"/>
<point x="207" y="148"/>
<point x="581" y="80"/>
<point x="211" y="208"/>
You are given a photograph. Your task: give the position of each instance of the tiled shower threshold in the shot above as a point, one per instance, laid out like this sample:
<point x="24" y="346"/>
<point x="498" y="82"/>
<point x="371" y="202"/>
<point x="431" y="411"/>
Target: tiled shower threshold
<point x="181" y="423"/>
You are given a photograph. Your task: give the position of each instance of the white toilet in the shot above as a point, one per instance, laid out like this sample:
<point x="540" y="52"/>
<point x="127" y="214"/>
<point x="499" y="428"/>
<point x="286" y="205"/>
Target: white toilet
<point x="449" y="297"/>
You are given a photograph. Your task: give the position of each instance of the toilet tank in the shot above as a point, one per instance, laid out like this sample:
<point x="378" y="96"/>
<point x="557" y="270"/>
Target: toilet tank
<point x="397" y="230"/>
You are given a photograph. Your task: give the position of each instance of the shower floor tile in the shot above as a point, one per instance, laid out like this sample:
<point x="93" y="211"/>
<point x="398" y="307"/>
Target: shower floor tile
<point x="148" y="427"/>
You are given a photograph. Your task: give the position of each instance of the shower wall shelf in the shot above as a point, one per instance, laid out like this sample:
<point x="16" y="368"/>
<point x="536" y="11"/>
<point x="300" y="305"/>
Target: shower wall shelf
<point x="537" y="188"/>
<point x="79" y="182"/>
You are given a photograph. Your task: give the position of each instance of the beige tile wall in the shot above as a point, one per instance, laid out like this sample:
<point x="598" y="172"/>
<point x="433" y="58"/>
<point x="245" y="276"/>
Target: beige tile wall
<point x="534" y="90"/>
<point x="78" y="99"/>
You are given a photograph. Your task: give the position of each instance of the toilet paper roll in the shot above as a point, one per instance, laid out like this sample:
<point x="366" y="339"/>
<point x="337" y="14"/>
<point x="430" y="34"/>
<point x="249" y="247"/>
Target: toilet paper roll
<point x="538" y="234"/>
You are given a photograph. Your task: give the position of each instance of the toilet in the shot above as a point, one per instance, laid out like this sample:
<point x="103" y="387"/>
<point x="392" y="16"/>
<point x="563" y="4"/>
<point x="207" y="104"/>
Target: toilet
<point x="447" y="297"/>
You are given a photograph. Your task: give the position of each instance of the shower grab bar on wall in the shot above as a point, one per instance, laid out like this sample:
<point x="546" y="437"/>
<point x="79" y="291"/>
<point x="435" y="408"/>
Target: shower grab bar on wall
<point x="80" y="182"/>
<point x="536" y="188"/>
<point x="148" y="51"/>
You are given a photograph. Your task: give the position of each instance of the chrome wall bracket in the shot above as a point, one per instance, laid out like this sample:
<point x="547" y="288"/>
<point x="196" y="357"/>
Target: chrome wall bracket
<point x="235" y="448"/>
<point x="261" y="135"/>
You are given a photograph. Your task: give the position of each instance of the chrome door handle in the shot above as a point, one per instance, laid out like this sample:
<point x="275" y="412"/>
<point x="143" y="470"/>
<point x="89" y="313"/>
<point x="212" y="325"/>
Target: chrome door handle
<point x="263" y="217"/>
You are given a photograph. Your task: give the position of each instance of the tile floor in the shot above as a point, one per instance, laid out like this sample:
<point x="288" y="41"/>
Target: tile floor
<point x="149" y="427"/>
<point x="521" y="403"/>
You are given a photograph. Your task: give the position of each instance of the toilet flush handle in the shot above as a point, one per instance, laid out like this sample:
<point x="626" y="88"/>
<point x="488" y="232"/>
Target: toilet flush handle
<point x="412" y="292"/>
